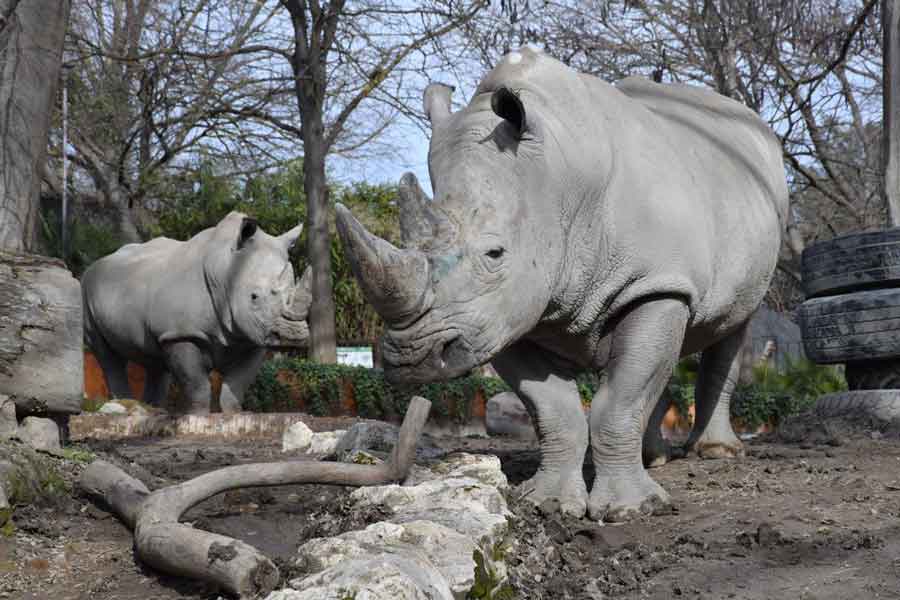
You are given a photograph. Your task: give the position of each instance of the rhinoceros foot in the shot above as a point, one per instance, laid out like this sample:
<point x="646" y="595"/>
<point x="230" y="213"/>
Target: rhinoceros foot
<point x="715" y="450"/>
<point x="620" y="497"/>
<point x="662" y="455"/>
<point x="551" y="487"/>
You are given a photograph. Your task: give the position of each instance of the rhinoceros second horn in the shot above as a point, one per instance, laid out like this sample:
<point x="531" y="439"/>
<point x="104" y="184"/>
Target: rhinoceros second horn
<point x="394" y="281"/>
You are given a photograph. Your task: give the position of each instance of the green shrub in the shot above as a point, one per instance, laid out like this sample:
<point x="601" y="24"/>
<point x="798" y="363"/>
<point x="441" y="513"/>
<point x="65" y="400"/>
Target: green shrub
<point x="682" y="384"/>
<point x="321" y="389"/>
<point x="87" y="242"/>
<point x="776" y="394"/>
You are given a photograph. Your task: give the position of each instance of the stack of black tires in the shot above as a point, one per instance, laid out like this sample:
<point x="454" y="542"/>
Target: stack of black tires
<point x="852" y="311"/>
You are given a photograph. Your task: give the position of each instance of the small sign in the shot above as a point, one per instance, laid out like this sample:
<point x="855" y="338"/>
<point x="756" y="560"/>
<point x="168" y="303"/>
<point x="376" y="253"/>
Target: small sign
<point x="355" y="356"/>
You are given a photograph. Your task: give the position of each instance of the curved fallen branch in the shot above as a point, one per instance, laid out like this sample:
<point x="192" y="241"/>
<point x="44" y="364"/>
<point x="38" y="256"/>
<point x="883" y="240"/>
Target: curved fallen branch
<point x="238" y="568"/>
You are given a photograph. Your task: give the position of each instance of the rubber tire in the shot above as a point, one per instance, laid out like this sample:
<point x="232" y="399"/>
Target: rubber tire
<point x="850" y="263"/>
<point x="873" y="375"/>
<point x="883" y="405"/>
<point x="852" y="327"/>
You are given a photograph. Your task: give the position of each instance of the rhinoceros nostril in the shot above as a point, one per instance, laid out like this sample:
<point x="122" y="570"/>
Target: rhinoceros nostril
<point x="453" y="352"/>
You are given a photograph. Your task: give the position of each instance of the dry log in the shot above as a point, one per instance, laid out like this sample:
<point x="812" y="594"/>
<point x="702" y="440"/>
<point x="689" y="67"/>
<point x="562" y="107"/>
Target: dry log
<point x="238" y="568"/>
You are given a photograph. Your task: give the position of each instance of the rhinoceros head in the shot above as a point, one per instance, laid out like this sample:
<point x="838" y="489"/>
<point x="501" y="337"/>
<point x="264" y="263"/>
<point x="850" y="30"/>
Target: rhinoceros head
<point x="475" y="270"/>
<point x="251" y="281"/>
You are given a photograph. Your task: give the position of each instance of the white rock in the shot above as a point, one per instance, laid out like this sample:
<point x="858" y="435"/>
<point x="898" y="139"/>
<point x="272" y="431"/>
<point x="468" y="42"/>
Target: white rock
<point x="113" y="408"/>
<point x="464" y="505"/>
<point x="325" y="442"/>
<point x="483" y="527"/>
<point x="296" y="437"/>
<point x="462" y="492"/>
<point x="485" y="468"/>
<point x="139" y="411"/>
<point x="9" y="427"/>
<point x="41" y="434"/>
<point x="448" y="551"/>
<point x="384" y="577"/>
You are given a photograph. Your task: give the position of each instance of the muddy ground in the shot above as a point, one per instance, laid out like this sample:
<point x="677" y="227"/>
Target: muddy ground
<point x="811" y="513"/>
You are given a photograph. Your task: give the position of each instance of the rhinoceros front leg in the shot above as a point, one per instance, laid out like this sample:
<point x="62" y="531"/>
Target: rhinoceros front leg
<point x="720" y="366"/>
<point x="190" y="365"/>
<point x="645" y="347"/>
<point x="237" y="378"/>
<point x="552" y="399"/>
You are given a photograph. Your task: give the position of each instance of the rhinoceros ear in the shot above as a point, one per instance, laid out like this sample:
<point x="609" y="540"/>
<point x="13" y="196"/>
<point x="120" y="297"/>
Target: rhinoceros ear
<point x="437" y="99"/>
<point x="249" y="225"/>
<point x="507" y="105"/>
<point x="290" y="238"/>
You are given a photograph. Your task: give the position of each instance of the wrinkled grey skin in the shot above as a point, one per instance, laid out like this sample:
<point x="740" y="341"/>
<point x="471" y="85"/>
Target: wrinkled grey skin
<point x="580" y="225"/>
<point x="216" y="301"/>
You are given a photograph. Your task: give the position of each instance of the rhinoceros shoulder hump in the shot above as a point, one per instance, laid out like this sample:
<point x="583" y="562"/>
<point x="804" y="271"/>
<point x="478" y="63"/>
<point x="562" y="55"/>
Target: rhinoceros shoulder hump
<point x="671" y="97"/>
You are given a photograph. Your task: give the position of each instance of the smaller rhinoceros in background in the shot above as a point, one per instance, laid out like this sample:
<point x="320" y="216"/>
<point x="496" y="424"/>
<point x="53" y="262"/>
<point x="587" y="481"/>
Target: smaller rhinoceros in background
<point x="216" y="301"/>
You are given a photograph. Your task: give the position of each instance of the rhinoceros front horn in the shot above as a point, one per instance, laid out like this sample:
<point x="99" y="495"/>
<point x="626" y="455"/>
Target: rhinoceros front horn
<point x="394" y="281"/>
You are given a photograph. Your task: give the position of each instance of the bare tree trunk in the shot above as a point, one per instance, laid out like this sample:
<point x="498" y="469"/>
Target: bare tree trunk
<point x="31" y="42"/>
<point x="322" y="343"/>
<point x="891" y="136"/>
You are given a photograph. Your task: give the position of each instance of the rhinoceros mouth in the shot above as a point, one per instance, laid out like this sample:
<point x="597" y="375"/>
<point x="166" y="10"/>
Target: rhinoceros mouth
<point x="288" y="333"/>
<point x="440" y="355"/>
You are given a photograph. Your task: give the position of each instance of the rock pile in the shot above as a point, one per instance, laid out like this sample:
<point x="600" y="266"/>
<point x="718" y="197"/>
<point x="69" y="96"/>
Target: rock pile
<point x="438" y="542"/>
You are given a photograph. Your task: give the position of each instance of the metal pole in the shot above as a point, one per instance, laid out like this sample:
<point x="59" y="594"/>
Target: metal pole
<point x="891" y="136"/>
<point x="65" y="167"/>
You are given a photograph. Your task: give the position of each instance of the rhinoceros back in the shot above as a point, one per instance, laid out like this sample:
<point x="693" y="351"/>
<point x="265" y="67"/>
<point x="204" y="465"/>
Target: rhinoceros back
<point x="124" y="290"/>
<point x="729" y="168"/>
<point x="730" y="125"/>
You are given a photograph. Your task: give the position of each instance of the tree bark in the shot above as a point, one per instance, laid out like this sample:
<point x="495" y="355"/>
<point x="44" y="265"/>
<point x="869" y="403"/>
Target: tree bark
<point x="238" y="568"/>
<point x="322" y="346"/>
<point x="31" y="42"/>
<point x="891" y="136"/>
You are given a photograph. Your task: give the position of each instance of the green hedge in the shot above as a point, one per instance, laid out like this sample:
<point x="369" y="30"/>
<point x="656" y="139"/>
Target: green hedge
<point x="776" y="394"/>
<point x="772" y="396"/>
<point x="321" y="387"/>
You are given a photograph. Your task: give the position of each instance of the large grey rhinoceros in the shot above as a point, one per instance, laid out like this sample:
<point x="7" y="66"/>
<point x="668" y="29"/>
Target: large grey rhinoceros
<point x="581" y="225"/>
<point x="216" y="301"/>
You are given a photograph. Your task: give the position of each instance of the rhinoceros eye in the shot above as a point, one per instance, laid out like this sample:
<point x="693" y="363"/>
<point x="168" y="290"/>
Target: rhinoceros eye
<point x="254" y="296"/>
<point x="495" y="253"/>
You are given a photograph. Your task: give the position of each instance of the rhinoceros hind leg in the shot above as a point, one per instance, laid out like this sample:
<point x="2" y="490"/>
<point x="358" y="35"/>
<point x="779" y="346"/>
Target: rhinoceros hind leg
<point x="237" y="378"/>
<point x="645" y="346"/>
<point x="713" y="436"/>
<point x="156" y="387"/>
<point x="190" y="366"/>
<point x="115" y="370"/>
<point x="656" y="450"/>
<point x="552" y="399"/>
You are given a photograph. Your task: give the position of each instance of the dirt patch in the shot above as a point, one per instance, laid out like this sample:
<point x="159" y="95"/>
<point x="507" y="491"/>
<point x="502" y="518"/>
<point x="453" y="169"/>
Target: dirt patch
<point x="811" y="512"/>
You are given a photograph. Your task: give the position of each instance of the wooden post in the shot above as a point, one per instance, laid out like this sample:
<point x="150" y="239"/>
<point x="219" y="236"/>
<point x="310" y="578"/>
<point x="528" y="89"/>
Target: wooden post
<point x="891" y="135"/>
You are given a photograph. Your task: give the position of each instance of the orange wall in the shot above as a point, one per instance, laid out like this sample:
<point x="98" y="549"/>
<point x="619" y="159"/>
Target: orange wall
<point x="95" y="384"/>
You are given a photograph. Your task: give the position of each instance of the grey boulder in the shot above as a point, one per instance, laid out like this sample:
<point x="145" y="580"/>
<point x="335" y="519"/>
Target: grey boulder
<point x="379" y="438"/>
<point x="9" y="427"/>
<point x="41" y="353"/>
<point x="506" y="415"/>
